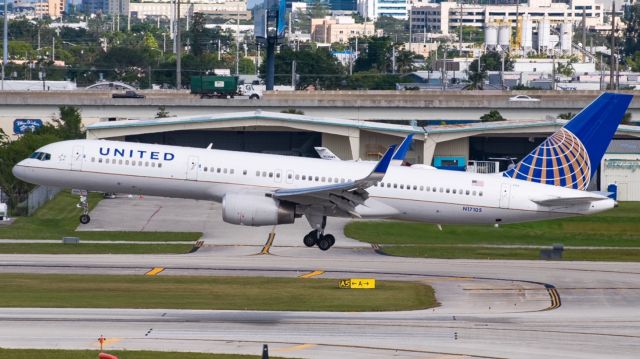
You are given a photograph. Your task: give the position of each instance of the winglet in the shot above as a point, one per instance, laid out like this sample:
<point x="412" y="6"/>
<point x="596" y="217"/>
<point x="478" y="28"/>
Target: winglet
<point x="383" y="164"/>
<point x="401" y="153"/>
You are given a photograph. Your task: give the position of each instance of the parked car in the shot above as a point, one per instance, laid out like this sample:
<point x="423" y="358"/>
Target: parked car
<point x="523" y="98"/>
<point x="127" y="94"/>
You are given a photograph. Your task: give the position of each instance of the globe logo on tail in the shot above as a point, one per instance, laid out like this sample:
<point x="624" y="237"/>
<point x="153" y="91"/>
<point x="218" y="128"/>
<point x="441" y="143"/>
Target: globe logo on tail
<point x="561" y="160"/>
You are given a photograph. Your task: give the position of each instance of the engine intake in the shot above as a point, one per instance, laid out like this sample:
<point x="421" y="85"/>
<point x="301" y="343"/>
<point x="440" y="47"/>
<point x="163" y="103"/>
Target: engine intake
<point x="256" y="210"/>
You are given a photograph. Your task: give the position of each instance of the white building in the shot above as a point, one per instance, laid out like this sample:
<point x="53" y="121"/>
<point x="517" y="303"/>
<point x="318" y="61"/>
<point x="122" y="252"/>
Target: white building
<point x="373" y="9"/>
<point x="445" y="17"/>
<point x="163" y="8"/>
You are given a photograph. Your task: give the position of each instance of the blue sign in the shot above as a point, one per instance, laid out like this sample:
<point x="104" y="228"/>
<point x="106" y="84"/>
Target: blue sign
<point x="22" y="126"/>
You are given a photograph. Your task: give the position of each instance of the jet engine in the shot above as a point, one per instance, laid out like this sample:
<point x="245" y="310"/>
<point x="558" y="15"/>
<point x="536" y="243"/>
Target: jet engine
<point x="256" y="210"/>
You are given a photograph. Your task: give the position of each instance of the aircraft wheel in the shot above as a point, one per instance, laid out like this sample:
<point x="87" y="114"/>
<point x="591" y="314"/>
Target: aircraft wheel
<point x="310" y="239"/>
<point x="331" y="239"/>
<point x="84" y="219"/>
<point x="324" y="243"/>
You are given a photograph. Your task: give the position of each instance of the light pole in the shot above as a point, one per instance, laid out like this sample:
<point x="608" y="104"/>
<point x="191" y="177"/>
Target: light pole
<point x="5" y="42"/>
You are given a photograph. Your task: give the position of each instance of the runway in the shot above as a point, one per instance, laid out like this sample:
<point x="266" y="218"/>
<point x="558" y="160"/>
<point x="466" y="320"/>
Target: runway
<point x="497" y="309"/>
<point x="489" y="308"/>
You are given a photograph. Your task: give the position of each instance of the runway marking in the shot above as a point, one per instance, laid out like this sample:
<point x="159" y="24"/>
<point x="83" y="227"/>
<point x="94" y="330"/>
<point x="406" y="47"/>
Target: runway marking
<point x="555" y="298"/>
<point x="312" y="274"/>
<point x="154" y="271"/>
<point x="267" y="246"/>
<point x="295" y="348"/>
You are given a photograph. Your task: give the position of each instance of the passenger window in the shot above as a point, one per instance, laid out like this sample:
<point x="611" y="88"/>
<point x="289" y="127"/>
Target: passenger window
<point x="473" y="193"/>
<point x="119" y="162"/>
<point x="480" y="193"/>
<point x="225" y="171"/>
<point x="277" y="174"/>
<point x="257" y="173"/>
<point x="270" y="174"/>
<point x="395" y="185"/>
<point x="401" y="186"/>
<point x="322" y="179"/>
<point x="421" y="188"/>
<point x="289" y="176"/>
<point x="342" y="180"/>
<point x="467" y="192"/>
<point x="140" y="163"/>
<point x="304" y="177"/>
<point x="415" y="187"/>
<point x="448" y="190"/>
<point x="310" y="178"/>
<point x="244" y="172"/>
<point x="159" y="165"/>
<point x="100" y="160"/>
<point x="206" y="169"/>
<point x="231" y="171"/>
<point x="264" y="173"/>
<point x="434" y="189"/>
<point x="335" y="180"/>
<point x="388" y="185"/>
<point x="153" y="164"/>
<point x="317" y="178"/>
<point x="218" y="169"/>
<point x="126" y="162"/>
<point x="454" y="191"/>
<point x="297" y="177"/>
<point x="441" y="189"/>
<point x="146" y="163"/>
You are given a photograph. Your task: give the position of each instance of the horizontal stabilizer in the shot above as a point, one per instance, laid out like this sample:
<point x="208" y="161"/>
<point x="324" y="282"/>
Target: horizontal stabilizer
<point x="568" y="201"/>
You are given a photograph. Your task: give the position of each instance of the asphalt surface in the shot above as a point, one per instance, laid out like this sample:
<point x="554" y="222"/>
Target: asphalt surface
<point x="504" y="309"/>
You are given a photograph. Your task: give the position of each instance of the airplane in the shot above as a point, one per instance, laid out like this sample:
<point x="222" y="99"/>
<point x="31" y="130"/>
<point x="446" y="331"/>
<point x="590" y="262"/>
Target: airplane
<point x="397" y="159"/>
<point x="264" y="190"/>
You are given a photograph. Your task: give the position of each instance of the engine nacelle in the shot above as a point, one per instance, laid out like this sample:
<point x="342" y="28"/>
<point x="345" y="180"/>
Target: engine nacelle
<point x="256" y="210"/>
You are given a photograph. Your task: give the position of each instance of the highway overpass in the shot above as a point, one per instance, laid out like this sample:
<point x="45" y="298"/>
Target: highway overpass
<point x="355" y="105"/>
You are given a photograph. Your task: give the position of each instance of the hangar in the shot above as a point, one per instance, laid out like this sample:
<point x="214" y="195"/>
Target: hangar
<point x="483" y="147"/>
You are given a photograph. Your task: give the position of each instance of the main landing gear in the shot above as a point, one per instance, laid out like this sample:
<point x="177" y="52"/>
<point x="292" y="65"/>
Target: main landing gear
<point x="324" y="241"/>
<point x="84" y="204"/>
<point x="317" y="236"/>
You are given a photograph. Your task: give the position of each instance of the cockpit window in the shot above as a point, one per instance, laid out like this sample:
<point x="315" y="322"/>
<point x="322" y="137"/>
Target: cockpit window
<point x="42" y="156"/>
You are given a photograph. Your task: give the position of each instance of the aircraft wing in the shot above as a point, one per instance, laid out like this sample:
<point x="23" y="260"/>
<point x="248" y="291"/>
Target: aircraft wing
<point x="344" y="196"/>
<point x="568" y="201"/>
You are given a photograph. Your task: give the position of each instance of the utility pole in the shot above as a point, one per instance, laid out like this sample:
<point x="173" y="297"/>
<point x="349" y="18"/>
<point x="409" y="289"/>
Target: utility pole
<point x="53" y="48"/>
<point x="584" y="28"/>
<point x="613" y="45"/>
<point x="237" y="41"/>
<point x="410" y="27"/>
<point x="460" y="30"/>
<point x="502" y="70"/>
<point x="293" y="75"/>
<point x="553" y="73"/>
<point x="219" y="49"/>
<point x="5" y="42"/>
<point x="178" y="50"/>
<point x="601" y="73"/>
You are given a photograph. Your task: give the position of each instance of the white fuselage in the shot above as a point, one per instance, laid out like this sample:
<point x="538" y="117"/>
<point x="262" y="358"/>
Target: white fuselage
<point x="425" y="195"/>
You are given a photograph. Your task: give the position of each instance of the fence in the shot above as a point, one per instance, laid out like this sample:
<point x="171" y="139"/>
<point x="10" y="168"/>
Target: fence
<point x="39" y="196"/>
<point x="483" y="166"/>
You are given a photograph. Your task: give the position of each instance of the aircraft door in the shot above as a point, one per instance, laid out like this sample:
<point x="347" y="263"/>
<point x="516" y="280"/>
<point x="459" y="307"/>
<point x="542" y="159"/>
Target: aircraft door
<point x="77" y="156"/>
<point x="505" y="195"/>
<point x="192" y="168"/>
<point x="289" y="176"/>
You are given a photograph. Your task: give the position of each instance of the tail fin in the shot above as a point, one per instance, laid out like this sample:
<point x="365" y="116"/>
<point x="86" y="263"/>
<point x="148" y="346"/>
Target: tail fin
<point x="402" y="150"/>
<point x="570" y="157"/>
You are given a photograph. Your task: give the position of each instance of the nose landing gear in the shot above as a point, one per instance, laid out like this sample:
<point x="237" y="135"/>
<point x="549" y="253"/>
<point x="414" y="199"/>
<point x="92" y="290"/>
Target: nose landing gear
<point x="84" y="204"/>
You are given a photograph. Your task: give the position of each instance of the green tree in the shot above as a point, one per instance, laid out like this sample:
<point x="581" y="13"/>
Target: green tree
<point x="375" y="55"/>
<point x="631" y="39"/>
<point x="293" y="111"/>
<point x="162" y="112"/>
<point x="492" y="116"/>
<point x="67" y="126"/>
<point x="393" y="28"/>
<point x="315" y="66"/>
<point x="566" y="115"/>
<point x="247" y="66"/>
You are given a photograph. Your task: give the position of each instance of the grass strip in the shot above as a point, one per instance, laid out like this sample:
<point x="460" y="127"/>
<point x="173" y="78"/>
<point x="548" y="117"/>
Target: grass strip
<point x="94" y="248"/>
<point x="461" y="252"/>
<point x="618" y="227"/>
<point x="220" y="293"/>
<point x="59" y="218"/>
<point x="121" y="354"/>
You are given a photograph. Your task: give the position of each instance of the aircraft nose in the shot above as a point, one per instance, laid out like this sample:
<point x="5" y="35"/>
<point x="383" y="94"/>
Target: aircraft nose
<point x="20" y="171"/>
